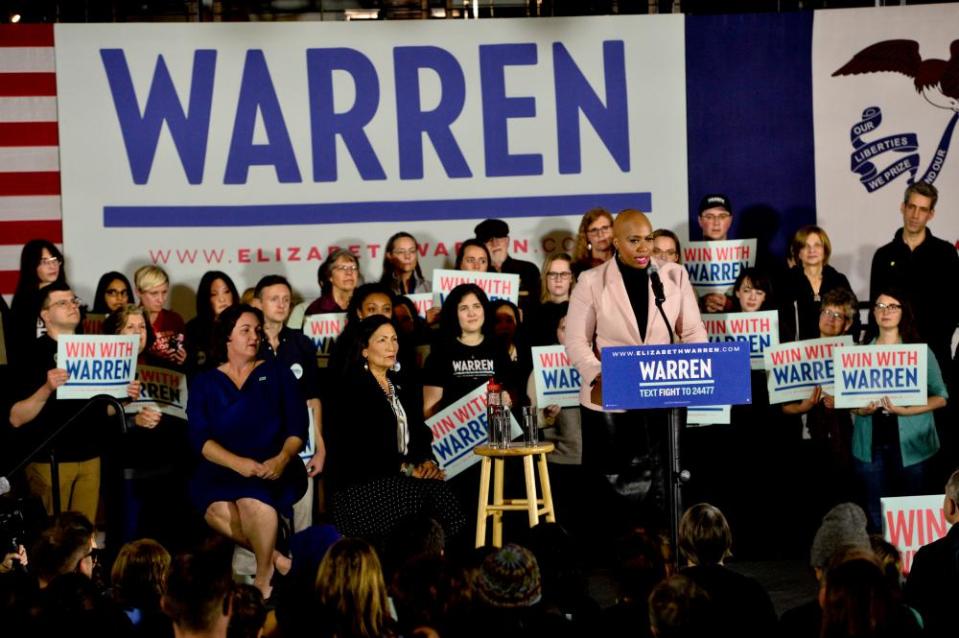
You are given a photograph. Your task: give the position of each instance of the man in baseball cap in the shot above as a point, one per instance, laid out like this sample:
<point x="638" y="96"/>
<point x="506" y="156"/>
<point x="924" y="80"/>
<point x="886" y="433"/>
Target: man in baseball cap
<point x="495" y="234"/>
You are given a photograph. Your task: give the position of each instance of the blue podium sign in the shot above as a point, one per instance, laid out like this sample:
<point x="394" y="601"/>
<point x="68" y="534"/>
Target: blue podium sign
<point x="680" y="375"/>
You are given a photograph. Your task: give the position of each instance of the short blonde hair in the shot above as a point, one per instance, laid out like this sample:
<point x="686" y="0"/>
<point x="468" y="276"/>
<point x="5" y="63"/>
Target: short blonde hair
<point x="147" y="277"/>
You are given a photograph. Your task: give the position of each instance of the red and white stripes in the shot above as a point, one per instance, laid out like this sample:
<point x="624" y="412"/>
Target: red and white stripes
<point x="29" y="151"/>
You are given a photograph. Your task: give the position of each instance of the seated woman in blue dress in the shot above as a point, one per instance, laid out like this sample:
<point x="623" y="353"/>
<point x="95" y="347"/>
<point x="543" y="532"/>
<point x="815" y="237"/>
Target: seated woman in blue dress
<point x="247" y="422"/>
<point x="380" y="465"/>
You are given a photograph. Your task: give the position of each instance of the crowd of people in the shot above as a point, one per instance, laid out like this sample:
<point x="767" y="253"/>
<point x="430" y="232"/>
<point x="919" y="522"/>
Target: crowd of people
<point x="276" y="453"/>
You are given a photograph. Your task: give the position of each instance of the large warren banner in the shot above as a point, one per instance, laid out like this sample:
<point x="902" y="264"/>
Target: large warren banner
<point x="255" y="148"/>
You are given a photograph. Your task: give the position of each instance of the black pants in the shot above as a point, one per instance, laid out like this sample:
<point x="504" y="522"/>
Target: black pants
<point x="624" y="468"/>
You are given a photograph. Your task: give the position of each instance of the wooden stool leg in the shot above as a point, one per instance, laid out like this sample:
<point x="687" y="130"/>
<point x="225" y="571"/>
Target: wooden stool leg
<point x="547" y="490"/>
<point x="498" y="500"/>
<point x="531" y="505"/>
<point x="482" y="513"/>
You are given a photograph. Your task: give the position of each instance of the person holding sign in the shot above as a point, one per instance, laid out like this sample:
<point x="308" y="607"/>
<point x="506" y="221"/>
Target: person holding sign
<point x="247" y="424"/>
<point x="381" y="467"/>
<point x="149" y="453"/>
<point x="615" y="305"/>
<point x="473" y="255"/>
<point x="38" y="413"/>
<point x="401" y="266"/>
<point x="891" y="443"/>
<point x="467" y="354"/>
<point x="715" y="219"/>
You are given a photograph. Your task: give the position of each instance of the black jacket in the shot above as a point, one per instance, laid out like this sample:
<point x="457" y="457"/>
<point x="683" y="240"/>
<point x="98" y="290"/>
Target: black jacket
<point x="798" y="291"/>
<point x="359" y="429"/>
<point x="933" y="584"/>
<point x="927" y="275"/>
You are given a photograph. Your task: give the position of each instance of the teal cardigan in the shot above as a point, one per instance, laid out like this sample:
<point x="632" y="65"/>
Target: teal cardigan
<point x="918" y="439"/>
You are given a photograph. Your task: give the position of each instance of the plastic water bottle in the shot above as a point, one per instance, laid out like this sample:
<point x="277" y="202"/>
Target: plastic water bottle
<point x="494" y="413"/>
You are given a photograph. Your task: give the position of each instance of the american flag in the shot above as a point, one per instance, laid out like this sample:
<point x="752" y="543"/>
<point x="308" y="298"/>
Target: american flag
<point x="29" y="151"/>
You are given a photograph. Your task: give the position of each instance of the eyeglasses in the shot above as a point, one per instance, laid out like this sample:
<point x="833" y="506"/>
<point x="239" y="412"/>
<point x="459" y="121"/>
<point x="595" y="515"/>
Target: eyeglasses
<point x="346" y="268"/>
<point x="114" y="292"/>
<point x="76" y="301"/>
<point x="601" y="230"/>
<point x="93" y="555"/>
<point x="832" y="314"/>
<point x="49" y="261"/>
<point x="891" y="307"/>
<point x="562" y="276"/>
<point x="668" y="253"/>
<point x="715" y="217"/>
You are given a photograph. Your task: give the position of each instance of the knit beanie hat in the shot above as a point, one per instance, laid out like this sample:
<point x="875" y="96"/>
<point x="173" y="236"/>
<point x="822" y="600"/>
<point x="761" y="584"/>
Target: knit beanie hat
<point x="510" y="578"/>
<point x="844" y="526"/>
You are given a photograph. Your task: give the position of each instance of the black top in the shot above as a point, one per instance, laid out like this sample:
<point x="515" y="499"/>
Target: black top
<point x="459" y="368"/>
<point x="297" y="353"/>
<point x="799" y="291"/>
<point x="636" y="281"/>
<point x="360" y="430"/>
<point x="926" y="275"/>
<point x="741" y="605"/>
<point x="530" y="286"/>
<point x="933" y="584"/>
<point x="198" y="342"/>
<point x="79" y="442"/>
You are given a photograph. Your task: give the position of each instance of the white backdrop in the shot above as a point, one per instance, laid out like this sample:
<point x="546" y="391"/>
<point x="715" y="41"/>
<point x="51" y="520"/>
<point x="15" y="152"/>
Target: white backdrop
<point x="96" y="171"/>
<point x="858" y="221"/>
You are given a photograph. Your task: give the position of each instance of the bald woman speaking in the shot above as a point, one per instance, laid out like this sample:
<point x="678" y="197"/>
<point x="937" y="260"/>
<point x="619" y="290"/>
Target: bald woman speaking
<point x="614" y="305"/>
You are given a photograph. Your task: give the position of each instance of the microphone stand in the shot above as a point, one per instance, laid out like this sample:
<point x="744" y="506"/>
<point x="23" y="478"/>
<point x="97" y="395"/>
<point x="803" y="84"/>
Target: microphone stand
<point x="676" y="476"/>
<point x="54" y="469"/>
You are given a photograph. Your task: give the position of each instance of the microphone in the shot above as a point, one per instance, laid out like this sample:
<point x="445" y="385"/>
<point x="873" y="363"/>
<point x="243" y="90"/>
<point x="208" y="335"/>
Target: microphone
<point x="657" y="283"/>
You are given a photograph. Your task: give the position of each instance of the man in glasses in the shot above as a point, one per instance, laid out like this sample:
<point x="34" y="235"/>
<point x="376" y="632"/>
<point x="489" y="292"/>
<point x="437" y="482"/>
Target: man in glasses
<point x="37" y="413"/>
<point x="715" y="219"/>
<point x="495" y="234"/>
<point x="923" y="265"/>
<point x="827" y="432"/>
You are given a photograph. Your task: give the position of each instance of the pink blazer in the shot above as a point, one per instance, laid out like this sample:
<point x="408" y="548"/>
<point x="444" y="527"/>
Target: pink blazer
<point x="600" y="316"/>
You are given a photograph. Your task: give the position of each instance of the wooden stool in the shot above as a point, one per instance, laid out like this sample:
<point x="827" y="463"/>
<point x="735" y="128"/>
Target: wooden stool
<point x="499" y="505"/>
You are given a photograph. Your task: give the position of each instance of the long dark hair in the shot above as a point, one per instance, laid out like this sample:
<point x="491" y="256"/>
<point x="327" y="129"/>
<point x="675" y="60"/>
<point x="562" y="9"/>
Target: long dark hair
<point x="449" y="320"/>
<point x="204" y="312"/>
<point x="224" y="325"/>
<point x="99" y="300"/>
<point x="388" y="272"/>
<point x="361" y="335"/>
<point x="760" y="281"/>
<point x="30" y="256"/>
<point x="466" y="244"/>
<point x="520" y="338"/>
<point x="361" y="293"/>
